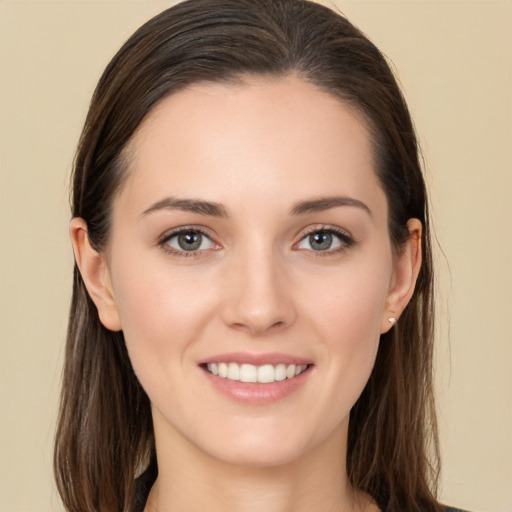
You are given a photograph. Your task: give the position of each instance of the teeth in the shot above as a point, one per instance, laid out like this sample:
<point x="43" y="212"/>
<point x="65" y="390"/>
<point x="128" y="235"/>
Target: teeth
<point x="266" y="373"/>
<point x="280" y="372"/>
<point x="223" y="370"/>
<point x="233" y="371"/>
<point x="250" y="373"/>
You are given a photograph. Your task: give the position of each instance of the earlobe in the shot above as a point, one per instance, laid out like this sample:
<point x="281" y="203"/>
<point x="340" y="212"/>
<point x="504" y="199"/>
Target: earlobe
<point x="95" y="274"/>
<point x="407" y="267"/>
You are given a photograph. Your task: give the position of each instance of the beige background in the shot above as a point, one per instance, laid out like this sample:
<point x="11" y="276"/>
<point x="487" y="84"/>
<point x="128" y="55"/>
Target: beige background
<point x="455" y="63"/>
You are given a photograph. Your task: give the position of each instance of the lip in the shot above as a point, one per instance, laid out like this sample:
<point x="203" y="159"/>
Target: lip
<point x="255" y="393"/>
<point x="256" y="359"/>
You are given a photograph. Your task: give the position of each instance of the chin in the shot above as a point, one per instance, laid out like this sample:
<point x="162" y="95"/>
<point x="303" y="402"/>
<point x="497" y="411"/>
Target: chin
<point x="264" y="445"/>
<point x="258" y="454"/>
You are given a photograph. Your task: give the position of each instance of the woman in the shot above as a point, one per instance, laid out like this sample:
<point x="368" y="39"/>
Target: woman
<point x="251" y="324"/>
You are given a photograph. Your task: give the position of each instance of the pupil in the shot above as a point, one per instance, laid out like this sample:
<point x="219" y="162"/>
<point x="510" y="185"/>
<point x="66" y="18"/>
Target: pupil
<point x="190" y="241"/>
<point x="320" y="241"/>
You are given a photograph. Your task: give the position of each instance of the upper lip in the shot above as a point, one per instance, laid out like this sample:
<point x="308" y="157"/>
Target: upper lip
<point x="272" y="358"/>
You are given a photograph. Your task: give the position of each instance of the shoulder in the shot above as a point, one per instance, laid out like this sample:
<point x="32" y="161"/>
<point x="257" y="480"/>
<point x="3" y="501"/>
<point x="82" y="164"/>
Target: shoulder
<point x="453" y="509"/>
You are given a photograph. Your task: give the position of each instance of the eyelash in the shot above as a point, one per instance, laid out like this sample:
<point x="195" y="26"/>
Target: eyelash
<point x="164" y="241"/>
<point x="346" y="241"/>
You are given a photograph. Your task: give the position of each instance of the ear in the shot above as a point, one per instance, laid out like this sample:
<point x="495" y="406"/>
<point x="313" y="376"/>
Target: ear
<point x="95" y="273"/>
<point x="406" y="269"/>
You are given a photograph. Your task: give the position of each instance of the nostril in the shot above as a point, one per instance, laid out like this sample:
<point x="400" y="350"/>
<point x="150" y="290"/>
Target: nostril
<point x="258" y="327"/>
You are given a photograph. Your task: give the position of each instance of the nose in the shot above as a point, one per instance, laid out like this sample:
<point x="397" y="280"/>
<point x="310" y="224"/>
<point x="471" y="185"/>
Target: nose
<point x="258" y="295"/>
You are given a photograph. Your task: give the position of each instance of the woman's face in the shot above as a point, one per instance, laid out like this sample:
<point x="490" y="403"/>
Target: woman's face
<point x="251" y="238"/>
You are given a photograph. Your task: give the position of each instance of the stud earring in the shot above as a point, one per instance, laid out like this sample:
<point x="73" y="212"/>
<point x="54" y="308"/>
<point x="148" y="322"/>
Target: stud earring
<point x="392" y="320"/>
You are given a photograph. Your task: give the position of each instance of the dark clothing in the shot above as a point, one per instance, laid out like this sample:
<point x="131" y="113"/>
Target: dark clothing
<point x="143" y="485"/>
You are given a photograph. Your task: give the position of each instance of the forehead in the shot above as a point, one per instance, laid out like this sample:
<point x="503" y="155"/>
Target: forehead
<point x="273" y="139"/>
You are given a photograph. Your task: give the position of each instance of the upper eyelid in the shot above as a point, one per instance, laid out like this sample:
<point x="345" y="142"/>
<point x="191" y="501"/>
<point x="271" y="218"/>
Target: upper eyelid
<point x="167" y="235"/>
<point x="324" y="227"/>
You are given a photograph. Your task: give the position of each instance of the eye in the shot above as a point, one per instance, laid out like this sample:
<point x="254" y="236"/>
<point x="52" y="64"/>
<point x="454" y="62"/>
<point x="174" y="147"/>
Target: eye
<point x="188" y="240"/>
<point x="325" y="240"/>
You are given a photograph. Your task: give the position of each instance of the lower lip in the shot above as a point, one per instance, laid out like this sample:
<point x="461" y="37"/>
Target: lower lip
<point x="255" y="393"/>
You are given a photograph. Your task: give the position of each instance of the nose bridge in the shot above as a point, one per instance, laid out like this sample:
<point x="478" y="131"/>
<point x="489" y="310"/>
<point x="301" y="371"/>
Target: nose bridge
<point x="258" y="296"/>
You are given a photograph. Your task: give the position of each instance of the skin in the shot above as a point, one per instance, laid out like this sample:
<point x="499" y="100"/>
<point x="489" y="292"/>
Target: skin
<point x="256" y="285"/>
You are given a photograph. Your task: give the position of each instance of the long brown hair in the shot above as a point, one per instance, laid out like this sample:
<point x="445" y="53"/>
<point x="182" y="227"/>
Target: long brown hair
<point x="105" y="436"/>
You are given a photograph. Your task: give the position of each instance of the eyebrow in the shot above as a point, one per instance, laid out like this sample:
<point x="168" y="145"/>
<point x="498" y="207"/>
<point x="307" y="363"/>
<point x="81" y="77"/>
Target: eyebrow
<point x="325" y="203"/>
<point x="188" y="205"/>
<point x="217" y="210"/>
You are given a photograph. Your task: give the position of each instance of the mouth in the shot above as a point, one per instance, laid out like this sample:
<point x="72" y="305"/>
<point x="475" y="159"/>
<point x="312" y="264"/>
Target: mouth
<point x="257" y="379"/>
<point x="249" y="373"/>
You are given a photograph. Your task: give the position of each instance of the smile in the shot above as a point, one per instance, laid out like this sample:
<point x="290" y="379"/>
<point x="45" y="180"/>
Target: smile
<point x="264" y="374"/>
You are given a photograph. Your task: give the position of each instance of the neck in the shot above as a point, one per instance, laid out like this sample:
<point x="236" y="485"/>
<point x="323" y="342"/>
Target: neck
<point x="190" y="481"/>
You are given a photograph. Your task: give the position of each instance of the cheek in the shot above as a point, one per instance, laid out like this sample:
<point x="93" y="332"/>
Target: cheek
<point x="352" y="300"/>
<point x="347" y="317"/>
<point x="162" y="312"/>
